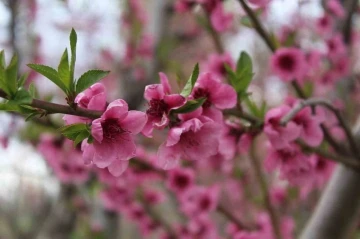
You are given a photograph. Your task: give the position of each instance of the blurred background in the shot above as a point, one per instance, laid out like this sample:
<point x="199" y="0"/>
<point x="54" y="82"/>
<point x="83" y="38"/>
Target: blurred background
<point x="34" y="203"/>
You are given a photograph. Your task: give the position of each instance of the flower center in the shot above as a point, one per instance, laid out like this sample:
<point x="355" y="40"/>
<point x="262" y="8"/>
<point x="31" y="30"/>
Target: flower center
<point x="182" y="181"/>
<point x="200" y="93"/>
<point x="287" y="63"/>
<point x="157" y="108"/>
<point x="111" y="129"/>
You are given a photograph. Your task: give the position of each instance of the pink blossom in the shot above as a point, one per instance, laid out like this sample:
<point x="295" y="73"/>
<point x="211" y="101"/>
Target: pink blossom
<point x="324" y="24"/>
<point x="335" y="8"/>
<point x="93" y="98"/>
<point x="215" y="64"/>
<point x="113" y="137"/>
<point x="180" y="180"/>
<point x="160" y="102"/>
<point x="65" y="161"/>
<point x="280" y="136"/>
<point x="193" y="139"/>
<point x="293" y="164"/>
<point x="311" y="131"/>
<point x="198" y="201"/>
<point x="145" y="46"/>
<point x="289" y="64"/>
<point x="220" y="20"/>
<point x="221" y="95"/>
<point x="336" y="46"/>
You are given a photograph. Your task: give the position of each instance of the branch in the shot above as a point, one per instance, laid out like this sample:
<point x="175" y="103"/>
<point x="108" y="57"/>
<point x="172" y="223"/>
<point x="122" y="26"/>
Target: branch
<point x="52" y="108"/>
<point x="314" y="102"/>
<point x="265" y="192"/>
<point x="257" y="25"/>
<point x="347" y="24"/>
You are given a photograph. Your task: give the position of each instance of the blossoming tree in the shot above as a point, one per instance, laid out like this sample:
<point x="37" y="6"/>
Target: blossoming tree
<point x="204" y="155"/>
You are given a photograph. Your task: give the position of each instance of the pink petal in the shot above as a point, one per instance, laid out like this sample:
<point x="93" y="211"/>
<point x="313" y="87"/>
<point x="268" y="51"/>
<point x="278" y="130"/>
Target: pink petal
<point x="165" y="83"/>
<point x="88" y="152"/>
<point x="174" y="136"/>
<point x="155" y="91"/>
<point x="118" y="167"/>
<point x="118" y="109"/>
<point x="148" y="128"/>
<point x="168" y="157"/>
<point x="134" y="121"/>
<point x="97" y="131"/>
<point x="125" y="147"/>
<point x="98" y="102"/>
<point x="163" y="122"/>
<point x="174" y="101"/>
<point x="105" y="154"/>
<point x="224" y="97"/>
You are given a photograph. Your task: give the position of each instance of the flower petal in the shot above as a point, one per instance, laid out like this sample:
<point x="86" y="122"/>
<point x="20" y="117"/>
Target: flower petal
<point x="97" y="131"/>
<point x="174" y="101"/>
<point x="155" y="91"/>
<point x="118" y="109"/>
<point x="168" y="157"/>
<point x="134" y="121"/>
<point x="118" y="167"/>
<point x="165" y="83"/>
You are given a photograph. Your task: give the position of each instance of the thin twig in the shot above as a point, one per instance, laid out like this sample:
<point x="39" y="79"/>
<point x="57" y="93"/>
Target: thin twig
<point x="257" y="25"/>
<point x="265" y="191"/>
<point x="351" y="7"/>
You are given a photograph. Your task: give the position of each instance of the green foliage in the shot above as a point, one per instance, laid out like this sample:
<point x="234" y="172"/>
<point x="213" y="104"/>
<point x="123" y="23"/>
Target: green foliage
<point x="191" y="82"/>
<point x="190" y="106"/>
<point x="89" y="78"/>
<point x="255" y="110"/>
<point x="49" y="73"/>
<point x="76" y="132"/>
<point x="11" y="75"/>
<point x="64" y="70"/>
<point x="241" y="78"/>
<point x="73" y="41"/>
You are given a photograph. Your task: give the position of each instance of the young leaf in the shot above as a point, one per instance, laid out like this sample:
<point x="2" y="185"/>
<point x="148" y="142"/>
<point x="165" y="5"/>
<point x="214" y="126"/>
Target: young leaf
<point x="190" y="106"/>
<point x="9" y="106"/>
<point x="3" y="83"/>
<point x="243" y="74"/>
<point x="89" y="78"/>
<point x="32" y="115"/>
<point x="49" y="73"/>
<point x="73" y="41"/>
<point x="2" y="59"/>
<point x="81" y="136"/>
<point x="73" y="130"/>
<point x="22" y="79"/>
<point x="32" y="90"/>
<point x="22" y="96"/>
<point x="191" y="82"/>
<point x="64" y="70"/>
<point x="11" y="75"/>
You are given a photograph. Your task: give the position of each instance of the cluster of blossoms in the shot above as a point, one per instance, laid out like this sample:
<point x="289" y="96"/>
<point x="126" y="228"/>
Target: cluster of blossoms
<point x="191" y="136"/>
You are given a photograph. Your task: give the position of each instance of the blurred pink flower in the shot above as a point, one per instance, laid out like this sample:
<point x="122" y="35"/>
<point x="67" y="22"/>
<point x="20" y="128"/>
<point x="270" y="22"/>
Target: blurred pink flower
<point x="289" y="64"/>
<point x="280" y="136"/>
<point x="180" y="179"/>
<point x="220" y="20"/>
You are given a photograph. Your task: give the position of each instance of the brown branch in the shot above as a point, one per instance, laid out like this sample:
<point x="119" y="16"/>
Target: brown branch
<point x="274" y="218"/>
<point x="52" y="108"/>
<point x="257" y="25"/>
<point x="350" y="7"/>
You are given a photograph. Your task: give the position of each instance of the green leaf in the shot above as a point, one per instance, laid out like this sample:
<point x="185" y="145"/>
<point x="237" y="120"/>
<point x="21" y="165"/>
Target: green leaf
<point x="32" y="91"/>
<point x="3" y="83"/>
<point x="73" y="41"/>
<point x="191" y="82"/>
<point x="64" y="69"/>
<point x="9" y="106"/>
<point x="2" y="59"/>
<point x="11" y="75"/>
<point x="22" y="97"/>
<point x="190" y="106"/>
<point x="73" y="130"/>
<point x="80" y="137"/>
<point x="89" y="78"/>
<point x="22" y="79"/>
<point x="32" y="115"/>
<point x="241" y="79"/>
<point x="49" y="73"/>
